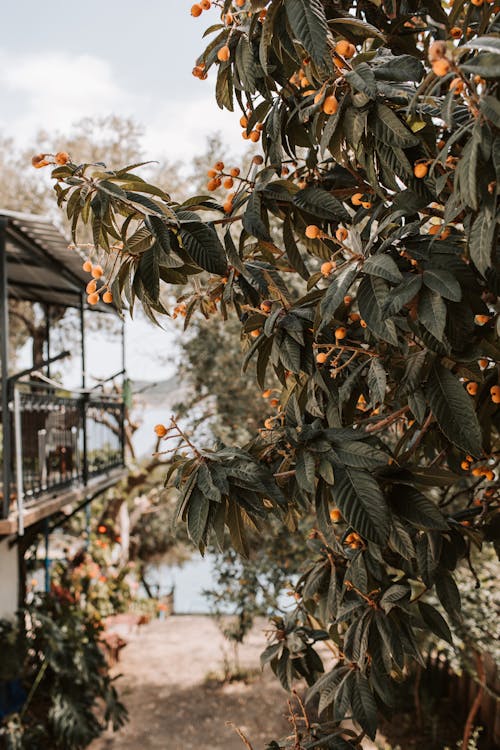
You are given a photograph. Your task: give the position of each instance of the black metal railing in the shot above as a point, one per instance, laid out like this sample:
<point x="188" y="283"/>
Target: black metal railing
<point x="62" y="439"/>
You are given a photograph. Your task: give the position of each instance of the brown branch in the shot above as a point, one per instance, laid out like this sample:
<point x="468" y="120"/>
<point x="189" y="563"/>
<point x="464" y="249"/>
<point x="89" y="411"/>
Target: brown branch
<point x="240" y="735"/>
<point x="469" y="724"/>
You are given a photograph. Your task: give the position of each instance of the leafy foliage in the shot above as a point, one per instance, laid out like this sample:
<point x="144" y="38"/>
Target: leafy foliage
<point x="378" y="191"/>
<point x="56" y="663"/>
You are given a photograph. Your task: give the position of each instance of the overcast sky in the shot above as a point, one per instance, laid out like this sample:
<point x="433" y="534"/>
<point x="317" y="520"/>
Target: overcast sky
<point x="61" y="61"/>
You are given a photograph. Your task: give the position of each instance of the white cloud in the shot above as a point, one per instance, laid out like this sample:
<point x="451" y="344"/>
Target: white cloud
<point x="53" y="89"/>
<point x="178" y="128"/>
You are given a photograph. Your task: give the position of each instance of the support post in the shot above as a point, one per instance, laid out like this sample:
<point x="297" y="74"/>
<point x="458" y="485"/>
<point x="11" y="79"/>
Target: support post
<point x="4" y="356"/>
<point x="46" y="534"/>
<point x="85" y="473"/>
<point x="47" y="336"/>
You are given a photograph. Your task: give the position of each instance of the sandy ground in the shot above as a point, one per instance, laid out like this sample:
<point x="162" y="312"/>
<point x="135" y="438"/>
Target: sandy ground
<point x="173" y="706"/>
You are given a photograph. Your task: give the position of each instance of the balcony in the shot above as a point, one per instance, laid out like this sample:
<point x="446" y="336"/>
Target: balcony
<point x="66" y="445"/>
<point x="60" y="447"/>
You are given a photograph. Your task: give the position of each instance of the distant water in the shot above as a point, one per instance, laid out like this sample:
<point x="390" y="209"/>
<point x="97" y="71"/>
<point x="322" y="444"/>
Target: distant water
<point x="188" y="580"/>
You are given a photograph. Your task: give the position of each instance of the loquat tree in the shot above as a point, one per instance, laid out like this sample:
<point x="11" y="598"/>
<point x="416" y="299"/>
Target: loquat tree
<point x="379" y="123"/>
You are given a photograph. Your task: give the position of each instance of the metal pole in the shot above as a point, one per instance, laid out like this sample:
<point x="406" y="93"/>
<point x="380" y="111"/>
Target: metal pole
<point x="47" y="336"/>
<point x="82" y="337"/>
<point x="124" y="353"/>
<point x="4" y="356"/>
<point x="47" y="558"/>
<point x="84" y="396"/>
<point x="19" y="462"/>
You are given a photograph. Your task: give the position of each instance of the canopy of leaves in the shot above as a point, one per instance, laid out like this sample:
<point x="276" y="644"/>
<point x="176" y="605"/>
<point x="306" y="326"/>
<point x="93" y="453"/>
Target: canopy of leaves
<point x="379" y="190"/>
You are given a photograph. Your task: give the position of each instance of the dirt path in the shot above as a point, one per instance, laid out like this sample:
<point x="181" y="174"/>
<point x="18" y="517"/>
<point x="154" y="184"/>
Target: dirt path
<point x="171" y="704"/>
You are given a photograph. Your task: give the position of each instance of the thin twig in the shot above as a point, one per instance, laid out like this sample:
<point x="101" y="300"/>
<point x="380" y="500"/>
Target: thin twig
<point x="240" y="735"/>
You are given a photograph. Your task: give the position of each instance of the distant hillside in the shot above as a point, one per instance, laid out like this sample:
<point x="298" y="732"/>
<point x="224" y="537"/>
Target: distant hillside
<point x="157" y="392"/>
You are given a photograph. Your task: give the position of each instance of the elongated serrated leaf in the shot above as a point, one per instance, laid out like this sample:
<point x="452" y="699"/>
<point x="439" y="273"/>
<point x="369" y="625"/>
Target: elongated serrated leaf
<point x="454" y="410"/>
<point x="370" y="311"/>
<point x="197" y="516"/>
<point x="444" y="283"/>
<point x="383" y="266"/>
<point x="377" y="380"/>
<point x="321" y="203"/>
<point x="448" y="592"/>
<point x="481" y="240"/>
<point x="391" y="130"/>
<point x="402" y="294"/>
<point x="416" y="508"/>
<point x="361" y="503"/>
<point x="252" y="218"/>
<point x="292" y="251"/>
<point x="435" y="621"/>
<point x="364" y="707"/>
<point x="204" y="247"/>
<point x="432" y="313"/>
<point x="308" y="23"/>
<point x="336" y="292"/>
<point x="359" y="454"/>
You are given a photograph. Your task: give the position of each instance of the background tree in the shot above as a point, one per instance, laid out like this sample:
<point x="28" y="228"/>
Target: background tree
<point x="379" y="125"/>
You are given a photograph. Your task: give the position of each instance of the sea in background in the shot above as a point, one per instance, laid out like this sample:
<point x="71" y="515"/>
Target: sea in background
<point x="190" y="579"/>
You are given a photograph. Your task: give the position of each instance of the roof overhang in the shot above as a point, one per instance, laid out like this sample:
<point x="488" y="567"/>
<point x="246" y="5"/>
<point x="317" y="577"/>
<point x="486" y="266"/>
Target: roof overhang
<point x="41" y="266"/>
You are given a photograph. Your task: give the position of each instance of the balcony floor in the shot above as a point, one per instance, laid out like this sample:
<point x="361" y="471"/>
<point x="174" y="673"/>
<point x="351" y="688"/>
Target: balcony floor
<point x="47" y="504"/>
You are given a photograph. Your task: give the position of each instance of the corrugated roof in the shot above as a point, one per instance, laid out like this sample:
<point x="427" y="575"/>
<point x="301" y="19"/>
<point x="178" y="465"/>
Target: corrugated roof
<point x="40" y="265"/>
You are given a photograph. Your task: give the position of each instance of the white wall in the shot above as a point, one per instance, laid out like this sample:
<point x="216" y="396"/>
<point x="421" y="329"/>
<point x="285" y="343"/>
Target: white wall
<point x="9" y="578"/>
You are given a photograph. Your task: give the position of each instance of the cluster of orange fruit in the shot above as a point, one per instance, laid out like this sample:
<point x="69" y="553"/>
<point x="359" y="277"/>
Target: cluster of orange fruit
<point x="313" y="232"/>
<point x="478" y="471"/>
<point x="440" y="63"/>
<point x="353" y="540"/>
<point x="198" y="8"/>
<point x="274" y="402"/>
<point x="200" y="72"/>
<point x="43" y="160"/>
<point x="92" y="291"/>
<point x="218" y="177"/>
<point x="253" y="135"/>
<point x="181" y="310"/>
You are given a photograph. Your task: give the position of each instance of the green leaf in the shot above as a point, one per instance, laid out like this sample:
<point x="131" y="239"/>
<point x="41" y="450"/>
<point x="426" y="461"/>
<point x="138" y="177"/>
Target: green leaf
<point x="358" y="27"/>
<point x="448" y="593"/>
<point x="204" y="247"/>
<point x="454" y="410"/>
<point x="417" y="509"/>
<point x="360" y="500"/>
<point x="444" y="283"/>
<point x="377" y="381"/>
<point x="383" y="266"/>
<point x="292" y="250"/>
<point x="391" y="130"/>
<point x="321" y="204"/>
<point x="485" y="44"/>
<point x="432" y="313"/>
<point x="252" y="218"/>
<point x="485" y="64"/>
<point x="402" y="294"/>
<point x="435" y="621"/>
<point x="481" y="240"/>
<point x="308" y="23"/>
<point x="359" y="455"/>
<point x="400" y="68"/>
<point x="370" y="310"/>
<point x="149" y="271"/>
<point x="364" y="707"/>
<point x="197" y="516"/>
<point x="336" y="292"/>
<point x="490" y="107"/>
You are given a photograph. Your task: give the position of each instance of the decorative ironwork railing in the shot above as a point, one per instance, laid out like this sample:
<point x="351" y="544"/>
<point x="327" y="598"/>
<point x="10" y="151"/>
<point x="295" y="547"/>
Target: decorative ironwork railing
<point x="61" y="439"/>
